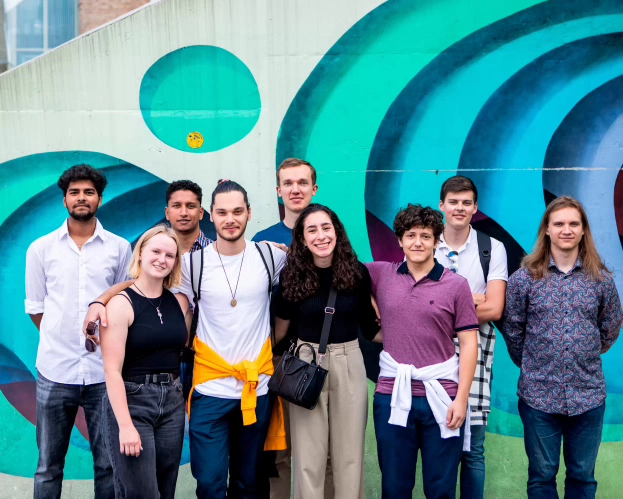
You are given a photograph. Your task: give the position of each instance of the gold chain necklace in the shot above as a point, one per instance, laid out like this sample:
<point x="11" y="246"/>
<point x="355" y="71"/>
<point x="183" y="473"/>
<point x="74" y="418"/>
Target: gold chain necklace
<point x="233" y="293"/>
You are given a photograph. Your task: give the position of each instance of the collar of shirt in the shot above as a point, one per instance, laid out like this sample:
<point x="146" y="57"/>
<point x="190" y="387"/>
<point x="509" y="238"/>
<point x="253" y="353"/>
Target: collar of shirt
<point x="99" y="231"/>
<point x="446" y="249"/>
<point x="577" y="265"/>
<point x="201" y="242"/>
<point x="435" y="274"/>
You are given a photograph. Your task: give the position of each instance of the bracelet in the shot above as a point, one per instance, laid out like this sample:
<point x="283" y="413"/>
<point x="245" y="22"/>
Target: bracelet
<point x="99" y="302"/>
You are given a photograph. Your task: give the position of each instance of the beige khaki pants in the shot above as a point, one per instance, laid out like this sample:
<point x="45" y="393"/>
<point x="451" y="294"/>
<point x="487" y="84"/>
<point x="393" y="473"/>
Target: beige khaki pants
<point x="281" y="486"/>
<point x="337" y="426"/>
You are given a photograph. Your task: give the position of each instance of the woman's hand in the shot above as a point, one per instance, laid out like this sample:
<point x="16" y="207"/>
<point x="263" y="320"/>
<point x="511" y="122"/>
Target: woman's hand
<point x="130" y="441"/>
<point x="456" y="414"/>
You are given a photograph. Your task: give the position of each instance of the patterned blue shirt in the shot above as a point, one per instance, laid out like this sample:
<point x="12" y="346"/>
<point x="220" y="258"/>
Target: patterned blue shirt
<point x="201" y="242"/>
<point x="556" y="329"/>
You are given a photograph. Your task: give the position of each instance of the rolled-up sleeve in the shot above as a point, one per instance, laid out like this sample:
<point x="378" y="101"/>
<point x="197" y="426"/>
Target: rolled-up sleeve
<point x="610" y="315"/>
<point x="35" y="281"/>
<point x="514" y="329"/>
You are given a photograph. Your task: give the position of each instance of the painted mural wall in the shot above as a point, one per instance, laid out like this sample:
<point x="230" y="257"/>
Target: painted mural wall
<point x="386" y="99"/>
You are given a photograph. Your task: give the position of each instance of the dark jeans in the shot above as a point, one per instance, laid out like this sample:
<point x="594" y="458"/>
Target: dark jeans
<point x="473" y="466"/>
<point x="398" y="447"/>
<point x="57" y="406"/>
<point x="219" y="442"/>
<point x="581" y="436"/>
<point x="157" y="412"/>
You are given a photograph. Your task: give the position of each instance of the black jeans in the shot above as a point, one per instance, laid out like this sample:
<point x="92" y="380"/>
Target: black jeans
<point x="157" y="412"/>
<point x="220" y="442"/>
<point x="57" y="406"/>
<point x="580" y="437"/>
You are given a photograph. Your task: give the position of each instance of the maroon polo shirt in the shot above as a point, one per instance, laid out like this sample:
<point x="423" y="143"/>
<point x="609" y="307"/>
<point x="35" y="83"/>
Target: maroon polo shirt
<point x="420" y="319"/>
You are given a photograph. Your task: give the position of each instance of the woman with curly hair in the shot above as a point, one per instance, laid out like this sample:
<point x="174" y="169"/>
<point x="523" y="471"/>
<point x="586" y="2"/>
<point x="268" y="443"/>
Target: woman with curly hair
<point x="321" y="257"/>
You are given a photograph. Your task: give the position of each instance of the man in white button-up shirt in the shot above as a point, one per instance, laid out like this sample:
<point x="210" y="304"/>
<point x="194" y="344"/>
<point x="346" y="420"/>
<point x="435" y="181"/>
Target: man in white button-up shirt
<point x="65" y="270"/>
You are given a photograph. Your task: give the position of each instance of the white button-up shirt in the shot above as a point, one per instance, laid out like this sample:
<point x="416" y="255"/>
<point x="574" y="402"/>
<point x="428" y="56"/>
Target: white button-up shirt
<point x="61" y="281"/>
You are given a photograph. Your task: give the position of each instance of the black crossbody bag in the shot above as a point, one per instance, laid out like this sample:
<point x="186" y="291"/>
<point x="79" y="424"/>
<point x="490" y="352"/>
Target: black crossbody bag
<point x="301" y="382"/>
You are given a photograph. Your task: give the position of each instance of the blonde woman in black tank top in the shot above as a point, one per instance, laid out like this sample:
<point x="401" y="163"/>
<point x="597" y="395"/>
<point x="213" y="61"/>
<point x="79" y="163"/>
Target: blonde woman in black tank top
<point x="143" y="420"/>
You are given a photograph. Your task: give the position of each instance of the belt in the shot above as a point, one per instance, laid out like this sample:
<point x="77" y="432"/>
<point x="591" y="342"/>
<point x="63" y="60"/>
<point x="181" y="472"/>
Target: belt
<point x="152" y="379"/>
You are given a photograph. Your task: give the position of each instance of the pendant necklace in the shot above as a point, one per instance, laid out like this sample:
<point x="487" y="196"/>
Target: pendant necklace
<point x="149" y="300"/>
<point x="233" y="293"/>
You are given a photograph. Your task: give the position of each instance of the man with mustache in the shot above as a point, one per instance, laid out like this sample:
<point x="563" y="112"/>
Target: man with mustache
<point x="184" y="212"/>
<point x="65" y="270"/>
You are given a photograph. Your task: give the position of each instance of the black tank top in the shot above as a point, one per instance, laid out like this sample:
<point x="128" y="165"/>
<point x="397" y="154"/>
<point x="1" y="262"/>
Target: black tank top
<point x="152" y="347"/>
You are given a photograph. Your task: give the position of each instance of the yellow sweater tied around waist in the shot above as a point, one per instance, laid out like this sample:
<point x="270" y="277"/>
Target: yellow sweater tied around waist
<point x="209" y="365"/>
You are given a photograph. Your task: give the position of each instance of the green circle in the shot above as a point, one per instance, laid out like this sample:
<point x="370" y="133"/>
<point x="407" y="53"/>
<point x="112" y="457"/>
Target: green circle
<point x="202" y="89"/>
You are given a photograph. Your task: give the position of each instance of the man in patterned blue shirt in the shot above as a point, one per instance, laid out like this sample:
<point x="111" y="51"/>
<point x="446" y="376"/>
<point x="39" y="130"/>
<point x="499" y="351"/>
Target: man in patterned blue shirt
<point x="562" y="312"/>
<point x="184" y="212"/>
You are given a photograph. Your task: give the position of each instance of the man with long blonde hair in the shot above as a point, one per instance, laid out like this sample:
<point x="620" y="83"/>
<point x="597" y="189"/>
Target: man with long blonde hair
<point x="563" y="311"/>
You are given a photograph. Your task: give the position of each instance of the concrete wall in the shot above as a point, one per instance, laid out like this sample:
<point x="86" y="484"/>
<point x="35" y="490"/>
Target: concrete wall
<point x="387" y="99"/>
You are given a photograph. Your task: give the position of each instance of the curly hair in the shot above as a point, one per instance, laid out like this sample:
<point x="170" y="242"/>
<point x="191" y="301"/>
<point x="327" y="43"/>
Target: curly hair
<point x="83" y="172"/>
<point x="300" y="278"/>
<point x="416" y="215"/>
<point x="184" y="185"/>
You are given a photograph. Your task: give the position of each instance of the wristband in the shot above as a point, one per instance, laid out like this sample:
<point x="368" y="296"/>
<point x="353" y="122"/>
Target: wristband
<point x="94" y="302"/>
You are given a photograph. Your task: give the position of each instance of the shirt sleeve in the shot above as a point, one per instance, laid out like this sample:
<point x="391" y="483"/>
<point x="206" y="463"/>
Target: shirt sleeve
<point x="282" y="308"/>
<point x="186" y="286"/>
<point x="498" y="266"/>
<point x="280" y="261"/>
<point x="610" y="315"/>
<point x="125" y="254"/>
<point x="367" y="314"/>
<point x="465" y="317"/>
<point x="35" y="280"/>
<point x="375" y="270"/>
<point x="515" y="316"/>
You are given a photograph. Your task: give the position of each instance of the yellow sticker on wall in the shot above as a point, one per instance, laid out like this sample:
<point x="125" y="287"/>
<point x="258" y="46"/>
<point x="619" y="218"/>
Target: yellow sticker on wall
<point x="195" y="140"/>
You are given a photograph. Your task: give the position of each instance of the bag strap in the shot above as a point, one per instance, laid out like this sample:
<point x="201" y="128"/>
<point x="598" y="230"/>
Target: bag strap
<point x="326" y="325"/>
<point x="196" y="261"/>
<point x="484" y="252"/>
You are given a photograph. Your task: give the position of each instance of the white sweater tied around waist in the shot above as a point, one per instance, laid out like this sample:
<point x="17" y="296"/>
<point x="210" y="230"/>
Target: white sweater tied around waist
<point x="437" y="397"/>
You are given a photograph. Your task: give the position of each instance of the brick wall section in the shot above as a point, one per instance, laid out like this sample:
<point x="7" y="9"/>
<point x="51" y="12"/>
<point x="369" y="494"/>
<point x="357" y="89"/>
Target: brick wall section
<point x="94" y="13"/>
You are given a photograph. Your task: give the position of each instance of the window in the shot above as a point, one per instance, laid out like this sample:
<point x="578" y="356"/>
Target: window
<point x="35" y="26"/>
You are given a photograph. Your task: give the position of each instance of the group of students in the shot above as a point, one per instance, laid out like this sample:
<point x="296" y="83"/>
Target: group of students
<point x="432" y="311"/>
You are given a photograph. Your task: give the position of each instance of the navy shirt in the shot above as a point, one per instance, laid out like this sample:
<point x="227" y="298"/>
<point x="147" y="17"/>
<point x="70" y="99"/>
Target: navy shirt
<point x="278" y="233"/>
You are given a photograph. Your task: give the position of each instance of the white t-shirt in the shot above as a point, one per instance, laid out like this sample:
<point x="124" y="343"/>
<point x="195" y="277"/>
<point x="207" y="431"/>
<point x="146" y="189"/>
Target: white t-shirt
<point x="235" y="333"/>
<point x="469" y="262"/>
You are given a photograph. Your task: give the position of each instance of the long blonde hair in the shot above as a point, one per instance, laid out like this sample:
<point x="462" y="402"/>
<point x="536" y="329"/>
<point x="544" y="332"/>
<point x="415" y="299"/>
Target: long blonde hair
<point x="537" y="262"/>
<point x="174" y="279"/>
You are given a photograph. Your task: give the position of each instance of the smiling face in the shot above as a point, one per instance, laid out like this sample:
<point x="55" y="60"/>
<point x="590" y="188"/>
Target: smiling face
<point x="184" y="211"/>
<point x="565" y="229"/>
<point x="296" y="187"/>
<point x="418" y="244"/>
<point x="319" y="237"/>
<point x="459" y="208"/>
<point x="230" y="215"/>
<point x="158" y="256"/>
<point x="82" y="200"/>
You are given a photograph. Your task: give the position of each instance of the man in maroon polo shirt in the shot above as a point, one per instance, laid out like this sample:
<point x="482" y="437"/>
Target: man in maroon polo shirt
<point x="421" y="400"/>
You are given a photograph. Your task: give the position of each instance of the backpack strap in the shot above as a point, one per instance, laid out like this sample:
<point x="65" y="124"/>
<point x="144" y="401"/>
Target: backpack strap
<point x="196" y="274"/>
<point x="267" y="254"/>
<point x="484" y="252"/>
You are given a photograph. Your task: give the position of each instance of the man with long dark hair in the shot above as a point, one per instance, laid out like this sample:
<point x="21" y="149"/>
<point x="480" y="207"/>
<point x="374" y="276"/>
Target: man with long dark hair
<point x="64" y="271"/>
<point x="562" y="312"/>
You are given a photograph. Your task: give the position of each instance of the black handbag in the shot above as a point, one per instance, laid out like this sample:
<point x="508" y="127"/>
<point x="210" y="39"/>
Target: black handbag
<point x="301" y="382"/>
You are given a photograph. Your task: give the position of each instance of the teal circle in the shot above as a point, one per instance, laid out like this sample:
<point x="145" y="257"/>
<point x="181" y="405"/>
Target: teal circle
<point x="202" y="89"/>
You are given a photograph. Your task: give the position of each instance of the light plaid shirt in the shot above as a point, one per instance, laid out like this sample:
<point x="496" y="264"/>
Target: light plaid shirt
<point x="480" y="392"/>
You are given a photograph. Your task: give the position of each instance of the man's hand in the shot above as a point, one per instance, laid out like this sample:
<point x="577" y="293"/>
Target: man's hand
<point x="479" y="299"/>
<point x="456" y="414"/>
<point x="280" y="246"/>
<point x="96" y="312"/>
